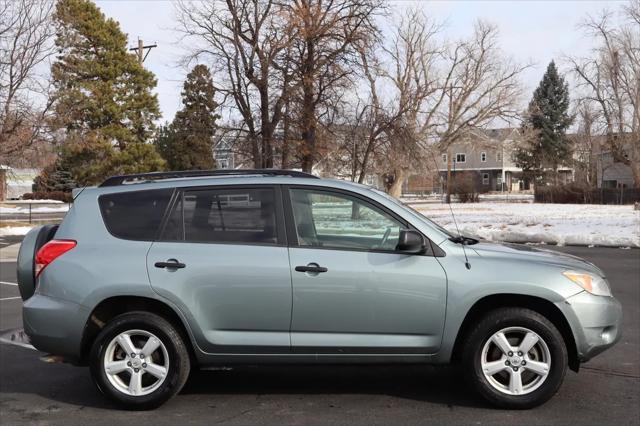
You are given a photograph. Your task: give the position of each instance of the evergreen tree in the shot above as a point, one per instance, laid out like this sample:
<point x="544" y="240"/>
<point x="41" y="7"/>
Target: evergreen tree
<point x="163" y="142"/>
<point x="103" y="96"/>
<point x="187" y="144"/>
<point x="546" y="122"/>
<point x="54" y="178"/>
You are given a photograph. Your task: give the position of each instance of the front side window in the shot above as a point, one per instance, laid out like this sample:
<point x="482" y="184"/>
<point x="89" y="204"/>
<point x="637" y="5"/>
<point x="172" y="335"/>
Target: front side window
<point x="340" y="221"/>
<point x="483" y="157"/>
<point x="134" y="215"/>
<point x="444" y="158"/>
<point x="485" y="178"/>
<point x="234" y="215"/>
<point x="461" y="158"/>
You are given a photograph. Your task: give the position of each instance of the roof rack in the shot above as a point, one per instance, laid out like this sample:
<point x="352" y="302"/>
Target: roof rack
<point x="145" y="177"/>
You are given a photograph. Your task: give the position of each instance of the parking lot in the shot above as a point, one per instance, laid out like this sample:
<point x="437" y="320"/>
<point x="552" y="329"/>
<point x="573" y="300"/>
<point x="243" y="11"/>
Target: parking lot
<point x="606" y="391"/>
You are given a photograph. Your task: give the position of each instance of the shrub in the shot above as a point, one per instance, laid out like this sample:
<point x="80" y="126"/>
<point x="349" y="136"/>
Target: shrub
<point x="573" y="193"/>
<point x="49" y="195"/>
<point x="466" y="186"/>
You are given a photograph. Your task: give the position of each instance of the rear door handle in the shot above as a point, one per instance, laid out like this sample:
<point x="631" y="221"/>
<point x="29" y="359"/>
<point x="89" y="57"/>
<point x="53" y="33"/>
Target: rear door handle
<point x="170" y="264"/>
<point x="312" y="267"/>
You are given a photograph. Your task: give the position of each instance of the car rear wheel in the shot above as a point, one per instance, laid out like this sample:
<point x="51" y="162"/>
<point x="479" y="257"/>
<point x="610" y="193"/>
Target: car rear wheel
<point x="515" y="358"/>
<point x="139" y="360"/>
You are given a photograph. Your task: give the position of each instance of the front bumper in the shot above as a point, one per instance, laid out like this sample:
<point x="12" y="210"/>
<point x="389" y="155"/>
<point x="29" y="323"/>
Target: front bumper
<point x="55" y="326"/>
<point x="596" y="322"/>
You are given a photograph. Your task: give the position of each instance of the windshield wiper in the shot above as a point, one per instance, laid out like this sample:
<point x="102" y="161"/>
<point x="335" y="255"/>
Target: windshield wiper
<point x="467" y="241"/>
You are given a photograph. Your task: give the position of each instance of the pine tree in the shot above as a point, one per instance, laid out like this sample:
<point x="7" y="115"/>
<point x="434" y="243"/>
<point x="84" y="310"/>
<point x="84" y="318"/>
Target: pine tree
<point x="54" y="178"/>
<point x="546" y="122"/>
<point x="103" y="97"/>
<point x="163" y="142"/>
<point x="187" y="143"/>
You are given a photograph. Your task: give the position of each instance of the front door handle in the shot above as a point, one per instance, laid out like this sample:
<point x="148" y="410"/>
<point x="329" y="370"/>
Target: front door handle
<point x="312" y="267"/>
<point x="170" y="264"/>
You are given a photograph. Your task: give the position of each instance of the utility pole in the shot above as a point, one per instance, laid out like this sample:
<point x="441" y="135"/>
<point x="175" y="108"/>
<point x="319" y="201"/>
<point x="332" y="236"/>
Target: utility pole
<point x="140" y="50"/>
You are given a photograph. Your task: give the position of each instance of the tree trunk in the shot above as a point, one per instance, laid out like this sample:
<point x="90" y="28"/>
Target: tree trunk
<point x="266" y="129"/>
<point x="395" y="190"/>
<point x="308" y="137"/>
<point x="449" y="177"/>
<point x="308" y="110"/>
<point x="365" y="159"/>
<point x="285" y="137"/>
<point x="255" y="152"/>
<point x="635" y="170"/>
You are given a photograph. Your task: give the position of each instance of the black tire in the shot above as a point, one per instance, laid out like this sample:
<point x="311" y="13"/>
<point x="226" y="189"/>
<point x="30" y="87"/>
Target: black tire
<point x="179" y="361"/>
<point x="503" y="318"/>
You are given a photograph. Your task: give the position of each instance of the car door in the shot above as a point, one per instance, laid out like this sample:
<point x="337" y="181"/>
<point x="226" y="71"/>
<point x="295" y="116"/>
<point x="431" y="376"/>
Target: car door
<point x="352" y="291"/>
<point x="222" y="259"/>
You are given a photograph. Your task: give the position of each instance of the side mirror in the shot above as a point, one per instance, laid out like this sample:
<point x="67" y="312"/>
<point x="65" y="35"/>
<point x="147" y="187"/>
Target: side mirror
<point x="410" y="241"/>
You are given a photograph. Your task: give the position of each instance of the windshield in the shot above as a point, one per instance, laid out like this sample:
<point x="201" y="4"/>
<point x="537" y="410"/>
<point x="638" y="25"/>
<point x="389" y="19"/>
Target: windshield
<point x="408" y="207"/>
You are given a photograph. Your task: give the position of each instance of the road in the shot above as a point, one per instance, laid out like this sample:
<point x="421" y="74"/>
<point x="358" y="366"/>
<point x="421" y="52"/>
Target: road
<point x="606" y="391"/>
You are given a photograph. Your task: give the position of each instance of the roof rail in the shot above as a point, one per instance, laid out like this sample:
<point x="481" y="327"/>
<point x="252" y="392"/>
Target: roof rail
<point x="144" y="177"/>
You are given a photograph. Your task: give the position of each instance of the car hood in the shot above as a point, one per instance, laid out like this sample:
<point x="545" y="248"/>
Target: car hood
<point x="535" y="254"/>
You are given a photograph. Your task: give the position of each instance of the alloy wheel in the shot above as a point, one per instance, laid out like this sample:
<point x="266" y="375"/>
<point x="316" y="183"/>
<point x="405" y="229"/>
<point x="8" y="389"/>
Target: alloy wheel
<point x="515" y="361"/>
<point x="136" y="362"/>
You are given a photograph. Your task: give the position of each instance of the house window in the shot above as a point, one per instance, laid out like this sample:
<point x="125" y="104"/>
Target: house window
<point x="444" y="158"/>
<point x="499" y="156"/>
<point x="483" y="157"/>
<point x="461" y="158"/>
<point x="485" y="178"/>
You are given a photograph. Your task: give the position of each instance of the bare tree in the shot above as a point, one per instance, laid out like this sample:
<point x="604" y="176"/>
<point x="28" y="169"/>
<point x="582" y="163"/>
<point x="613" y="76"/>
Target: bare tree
<point x="365" y="119"/>
<point x="248" y="47"/>
<point x="481" y="86"/>
<point x="441" y="92"/>
<point x="587" y="142"/>
<point x="610" y="78"/>
<point x="324" y="36"/>
<point x="25" y="45"/>
<point x="413" y="53"/>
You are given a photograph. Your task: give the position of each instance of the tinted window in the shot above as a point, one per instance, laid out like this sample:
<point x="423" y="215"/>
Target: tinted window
<point x="134" y="215"/>
<point x="236" y="215"/>
<point x="328" y="219"/>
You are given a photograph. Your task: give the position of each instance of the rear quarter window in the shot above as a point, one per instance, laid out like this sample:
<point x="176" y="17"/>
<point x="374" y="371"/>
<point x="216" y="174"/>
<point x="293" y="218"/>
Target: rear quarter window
<point x="135" y="215"/>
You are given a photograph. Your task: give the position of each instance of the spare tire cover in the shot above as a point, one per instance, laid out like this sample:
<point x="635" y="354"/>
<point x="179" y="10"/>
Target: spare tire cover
<point x="31" y="243"/>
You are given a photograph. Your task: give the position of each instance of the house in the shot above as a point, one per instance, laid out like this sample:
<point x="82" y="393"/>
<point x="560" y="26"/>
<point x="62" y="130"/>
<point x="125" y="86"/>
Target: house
<point x="489" y="155"/>
<point x="223" y="154"/>
<point x="612" y="173"/>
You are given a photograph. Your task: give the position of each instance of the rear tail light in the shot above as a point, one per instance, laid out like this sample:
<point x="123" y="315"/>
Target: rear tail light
<point x="51" y="251"/>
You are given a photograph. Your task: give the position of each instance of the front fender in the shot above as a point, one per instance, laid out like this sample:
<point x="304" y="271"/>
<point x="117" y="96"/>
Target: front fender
<point x="493" y="277"/>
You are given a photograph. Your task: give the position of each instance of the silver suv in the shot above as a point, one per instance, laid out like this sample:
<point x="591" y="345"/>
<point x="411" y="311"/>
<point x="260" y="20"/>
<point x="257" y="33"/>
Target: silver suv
<point x="150" y="276"/>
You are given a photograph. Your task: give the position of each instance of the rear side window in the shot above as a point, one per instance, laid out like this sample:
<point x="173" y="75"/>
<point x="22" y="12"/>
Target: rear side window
<point x="134" y="215"/>
<point x="234" y="215"/>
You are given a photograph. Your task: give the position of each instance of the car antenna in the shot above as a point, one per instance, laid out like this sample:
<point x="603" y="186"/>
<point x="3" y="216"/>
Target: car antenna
<point x="455" y="222"/>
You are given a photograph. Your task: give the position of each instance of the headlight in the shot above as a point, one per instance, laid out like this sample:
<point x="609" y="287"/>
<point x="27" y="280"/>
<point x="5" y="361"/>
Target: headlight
<point x="592" y="283"/>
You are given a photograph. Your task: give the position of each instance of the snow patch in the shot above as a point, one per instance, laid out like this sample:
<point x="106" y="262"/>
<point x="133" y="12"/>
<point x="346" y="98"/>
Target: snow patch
<point x="559" y="224"/>
<point x="5" y="231"/>
<point x="34" y="209"/>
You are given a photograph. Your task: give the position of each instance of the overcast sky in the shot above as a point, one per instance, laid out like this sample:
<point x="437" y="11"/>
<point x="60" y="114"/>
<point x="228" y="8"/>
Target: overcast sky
<point x="530" y="31"/>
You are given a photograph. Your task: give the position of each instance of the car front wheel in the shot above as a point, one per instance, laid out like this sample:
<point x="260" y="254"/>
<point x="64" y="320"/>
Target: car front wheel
<point x="139" y="360"/>
<point x="516" y="358"/>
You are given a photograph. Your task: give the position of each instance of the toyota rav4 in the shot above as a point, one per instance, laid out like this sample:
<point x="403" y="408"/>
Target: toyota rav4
<point x="150" y="276"/>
